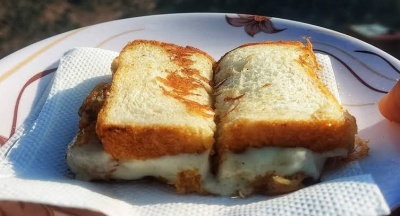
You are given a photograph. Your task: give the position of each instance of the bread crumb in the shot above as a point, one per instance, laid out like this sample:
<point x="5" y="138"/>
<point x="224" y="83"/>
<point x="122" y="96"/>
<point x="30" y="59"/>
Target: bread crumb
<point x="360" y="150"/>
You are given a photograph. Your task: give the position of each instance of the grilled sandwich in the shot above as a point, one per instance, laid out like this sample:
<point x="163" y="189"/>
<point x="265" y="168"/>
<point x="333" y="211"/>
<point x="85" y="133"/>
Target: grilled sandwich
<point x="257" y="121"/>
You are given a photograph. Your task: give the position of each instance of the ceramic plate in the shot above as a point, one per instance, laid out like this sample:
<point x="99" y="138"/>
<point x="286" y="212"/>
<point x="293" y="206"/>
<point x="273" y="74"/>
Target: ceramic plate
<point x="364" y="73"/>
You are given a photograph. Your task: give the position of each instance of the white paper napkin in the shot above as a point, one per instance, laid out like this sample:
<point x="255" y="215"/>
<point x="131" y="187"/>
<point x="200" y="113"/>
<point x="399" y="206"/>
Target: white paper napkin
<point x="33" y="168"/>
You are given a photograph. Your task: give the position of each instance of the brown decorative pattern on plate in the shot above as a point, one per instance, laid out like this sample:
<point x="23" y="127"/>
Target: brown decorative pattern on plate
<point x="38" y="76"/>
<point x="253" y="24"/>
<point x="351" y="71"/>
<point x="14" y="208"/>
<point x="375" y="54"/>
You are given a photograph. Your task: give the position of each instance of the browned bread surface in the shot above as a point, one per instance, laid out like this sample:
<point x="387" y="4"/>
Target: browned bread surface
<point x="159" y="102"/>
<point x="319" y="136"/>
<point x="268" y="94"/>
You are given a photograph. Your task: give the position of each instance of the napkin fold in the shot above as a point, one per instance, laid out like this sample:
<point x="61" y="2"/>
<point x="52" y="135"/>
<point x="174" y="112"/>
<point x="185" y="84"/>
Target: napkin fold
<point x="33" y="168"/>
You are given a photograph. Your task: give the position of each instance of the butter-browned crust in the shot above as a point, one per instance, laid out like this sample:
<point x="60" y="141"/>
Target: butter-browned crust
<point x="318" y="136"/>
<point x="144" y="142"/>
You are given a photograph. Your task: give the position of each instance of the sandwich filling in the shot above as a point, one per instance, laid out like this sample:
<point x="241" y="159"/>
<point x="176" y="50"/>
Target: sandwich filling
<point x="238" y="174"/>
<point x="91" y="162"/>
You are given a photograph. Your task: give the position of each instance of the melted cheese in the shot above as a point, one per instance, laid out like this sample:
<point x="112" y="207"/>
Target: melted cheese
<point x="90" y="161"/>
<point x="236" y="172"/>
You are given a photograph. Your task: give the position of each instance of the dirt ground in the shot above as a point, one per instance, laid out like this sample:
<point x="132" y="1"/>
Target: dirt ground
<point x="23" y="22"/>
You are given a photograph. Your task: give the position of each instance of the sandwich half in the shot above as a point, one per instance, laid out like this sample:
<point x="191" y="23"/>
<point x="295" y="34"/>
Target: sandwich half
<point x="276" y="121"/>
<point x="156" y="118"/>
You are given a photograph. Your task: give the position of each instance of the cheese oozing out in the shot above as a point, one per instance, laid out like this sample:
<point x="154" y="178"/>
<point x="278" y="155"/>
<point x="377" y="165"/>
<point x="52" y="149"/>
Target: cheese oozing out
<point x="238" y="171"/>
<point x="90" y="162"/>
<point x="235" y="176"/>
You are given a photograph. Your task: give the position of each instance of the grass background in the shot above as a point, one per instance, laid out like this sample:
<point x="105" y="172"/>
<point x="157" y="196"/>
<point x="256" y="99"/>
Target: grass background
<point x="23" y="22"/>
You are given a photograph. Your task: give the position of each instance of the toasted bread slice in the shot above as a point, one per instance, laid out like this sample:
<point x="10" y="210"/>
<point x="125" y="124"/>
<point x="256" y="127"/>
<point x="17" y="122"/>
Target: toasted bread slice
<point x="159" y="102"/>
<point x="267" y="94"/>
